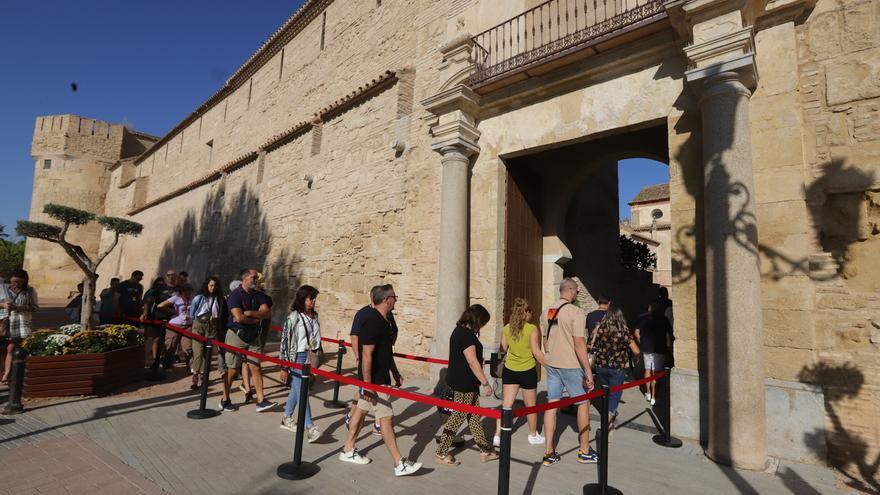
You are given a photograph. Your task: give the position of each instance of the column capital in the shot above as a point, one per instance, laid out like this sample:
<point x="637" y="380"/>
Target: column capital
<point x="456" y="111"/>
<point x="740" y="75"/>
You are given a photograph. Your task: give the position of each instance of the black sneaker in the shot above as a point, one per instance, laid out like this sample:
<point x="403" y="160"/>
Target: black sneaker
<point x="590" y="457"/>
<point x="265" y="405"/>
<point x="550" y="459"/>
<point x="226" y="405"/>
<point x="249" y="396"/>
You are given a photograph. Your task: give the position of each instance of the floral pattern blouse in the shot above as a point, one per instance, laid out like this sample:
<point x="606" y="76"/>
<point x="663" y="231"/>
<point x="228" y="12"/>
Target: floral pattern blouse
<point x="611" y="347"/>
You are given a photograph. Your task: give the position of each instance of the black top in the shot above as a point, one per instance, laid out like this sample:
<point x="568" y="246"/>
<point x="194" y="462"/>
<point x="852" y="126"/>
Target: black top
<point x="160" y="296"/>
<point x="130" y="296"/>
<point x="459" y="377"/>
<point x="593" y="319"/>
<point x="653" y="329"/>
<point x="376" y="331"/>
<point x="265" y="324"/>
<point x="361" y="316"/>
<point x="245" y="301"/>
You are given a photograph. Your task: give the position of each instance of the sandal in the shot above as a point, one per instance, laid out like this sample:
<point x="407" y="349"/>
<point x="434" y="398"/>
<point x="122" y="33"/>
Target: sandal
<point x="488" y="456"/>
<point x="449" y="460"/>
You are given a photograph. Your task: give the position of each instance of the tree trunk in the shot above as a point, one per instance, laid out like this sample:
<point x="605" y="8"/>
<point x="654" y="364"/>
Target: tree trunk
<point x="88" y="300"/>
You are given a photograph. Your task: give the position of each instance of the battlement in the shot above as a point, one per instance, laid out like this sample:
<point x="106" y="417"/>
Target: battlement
<point x="73" y="135"/>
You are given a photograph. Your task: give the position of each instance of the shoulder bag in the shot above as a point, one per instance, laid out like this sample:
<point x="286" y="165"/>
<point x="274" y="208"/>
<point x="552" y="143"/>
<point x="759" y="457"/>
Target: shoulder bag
<point x="591" y="354"/>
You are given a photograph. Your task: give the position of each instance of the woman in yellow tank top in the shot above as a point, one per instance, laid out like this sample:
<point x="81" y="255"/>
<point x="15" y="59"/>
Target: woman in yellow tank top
<point x="521" y="340"/>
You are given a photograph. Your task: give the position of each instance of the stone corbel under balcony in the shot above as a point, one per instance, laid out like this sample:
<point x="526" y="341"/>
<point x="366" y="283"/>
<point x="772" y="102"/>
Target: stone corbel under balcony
<point x="456" y="110"/>
<point x="744" y="65"/>
<point x="730" y="46"/>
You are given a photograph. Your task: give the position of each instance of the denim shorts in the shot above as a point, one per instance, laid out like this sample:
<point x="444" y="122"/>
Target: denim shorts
<point x="572" y="379"/>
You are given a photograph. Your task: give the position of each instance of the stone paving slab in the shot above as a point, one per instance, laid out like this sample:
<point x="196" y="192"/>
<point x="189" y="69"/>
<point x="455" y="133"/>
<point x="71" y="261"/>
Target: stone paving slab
<point x="238" y="452"/>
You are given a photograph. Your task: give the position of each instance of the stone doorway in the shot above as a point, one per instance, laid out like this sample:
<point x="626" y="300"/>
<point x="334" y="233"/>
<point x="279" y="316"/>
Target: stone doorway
<point x="563" y="220"/>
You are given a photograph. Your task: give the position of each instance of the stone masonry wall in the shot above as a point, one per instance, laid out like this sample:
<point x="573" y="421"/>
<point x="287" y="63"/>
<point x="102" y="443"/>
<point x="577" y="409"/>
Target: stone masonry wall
<point x="838" y="53"/>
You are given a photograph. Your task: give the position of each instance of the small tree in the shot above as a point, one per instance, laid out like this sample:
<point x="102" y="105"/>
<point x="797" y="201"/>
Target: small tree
<point x="71" y="216"/>
<point x="636" y="255"/>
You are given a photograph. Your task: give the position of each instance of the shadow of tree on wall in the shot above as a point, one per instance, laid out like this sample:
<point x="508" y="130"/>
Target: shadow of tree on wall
<point x="229" y="233"/>
<point x="845" y="449"/>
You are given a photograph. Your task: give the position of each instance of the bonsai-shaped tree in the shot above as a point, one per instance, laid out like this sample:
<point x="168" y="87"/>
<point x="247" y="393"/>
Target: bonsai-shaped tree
<point x="72" y="216"/>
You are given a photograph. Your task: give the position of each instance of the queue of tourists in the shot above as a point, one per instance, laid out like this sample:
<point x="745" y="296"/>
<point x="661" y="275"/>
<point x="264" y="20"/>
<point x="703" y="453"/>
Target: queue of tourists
<point x="574" y="349"/>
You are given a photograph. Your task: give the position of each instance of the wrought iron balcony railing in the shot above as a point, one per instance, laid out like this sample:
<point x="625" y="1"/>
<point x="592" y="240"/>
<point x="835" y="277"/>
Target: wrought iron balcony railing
<point x="554" y="27"/>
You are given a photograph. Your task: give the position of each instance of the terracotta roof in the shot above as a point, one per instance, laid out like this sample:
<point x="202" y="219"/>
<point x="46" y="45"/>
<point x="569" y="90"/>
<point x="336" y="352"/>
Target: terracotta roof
<point x="651" y="194"/>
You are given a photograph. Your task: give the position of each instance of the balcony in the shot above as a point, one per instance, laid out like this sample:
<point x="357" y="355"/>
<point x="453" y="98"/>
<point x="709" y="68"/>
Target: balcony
<point x="556" y="33"/>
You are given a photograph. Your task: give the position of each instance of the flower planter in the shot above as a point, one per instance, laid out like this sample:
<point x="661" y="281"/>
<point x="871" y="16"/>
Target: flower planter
<point x="83" y="374"/>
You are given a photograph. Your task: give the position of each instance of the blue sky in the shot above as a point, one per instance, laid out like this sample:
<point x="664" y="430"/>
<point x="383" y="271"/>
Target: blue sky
<point x="145" y="64"/>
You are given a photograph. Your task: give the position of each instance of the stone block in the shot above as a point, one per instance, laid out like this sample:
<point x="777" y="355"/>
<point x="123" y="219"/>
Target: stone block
<point x="789" y="328"/>
<point x="861" y="25"/>
<point x="855" y="77"/>
<point x="785" y="363"/>
<point x="792" y="293"/>
<point x="779" y="70"/>
<point x="837" y="130"/>
<point x="779" y="183"/>
<point x="824" y="35"/>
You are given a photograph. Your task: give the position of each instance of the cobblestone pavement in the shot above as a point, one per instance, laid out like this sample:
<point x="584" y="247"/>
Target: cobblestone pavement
<point x="145" y="438"/>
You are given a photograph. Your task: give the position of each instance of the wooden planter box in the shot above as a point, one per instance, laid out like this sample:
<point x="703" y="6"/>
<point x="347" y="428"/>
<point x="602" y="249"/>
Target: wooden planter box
<point x="83" y="374"/>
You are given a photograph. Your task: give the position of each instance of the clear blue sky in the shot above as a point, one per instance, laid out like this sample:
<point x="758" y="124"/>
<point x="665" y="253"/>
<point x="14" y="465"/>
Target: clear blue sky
<point x="146" y="64"/>
<point x="633" y="175"/>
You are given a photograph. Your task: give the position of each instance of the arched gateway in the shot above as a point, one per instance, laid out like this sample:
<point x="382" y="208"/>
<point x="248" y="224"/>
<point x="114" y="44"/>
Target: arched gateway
<point x="497" y="181"/>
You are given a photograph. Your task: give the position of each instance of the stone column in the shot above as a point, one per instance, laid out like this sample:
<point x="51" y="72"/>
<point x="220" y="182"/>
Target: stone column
<point x="452" y="269"/>
<point x="737" y="428"/>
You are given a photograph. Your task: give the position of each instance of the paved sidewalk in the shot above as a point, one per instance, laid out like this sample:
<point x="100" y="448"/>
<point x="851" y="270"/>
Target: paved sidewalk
<point x="238" y="452"/>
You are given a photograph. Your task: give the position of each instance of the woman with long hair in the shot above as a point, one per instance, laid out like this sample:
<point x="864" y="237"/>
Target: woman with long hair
<point x="612" y="340"/>
<point x="465" y="377"/>
<point x="301" y="334"/>
<point x="205" y="312"/>
<point x="16" y="308"/>
<point x="521" y="341"/>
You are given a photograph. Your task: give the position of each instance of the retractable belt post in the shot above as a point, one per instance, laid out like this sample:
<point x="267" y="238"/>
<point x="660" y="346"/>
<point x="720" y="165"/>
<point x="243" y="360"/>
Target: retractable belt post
<point x="203" y="412"/>
<point x="16" y="382"/>
<point x="299" y="470"/>
<point x="504" y="461"/>
<point x="602" y="487"/>
<point x="665" y="438"/>
<point x="335" y="404"/>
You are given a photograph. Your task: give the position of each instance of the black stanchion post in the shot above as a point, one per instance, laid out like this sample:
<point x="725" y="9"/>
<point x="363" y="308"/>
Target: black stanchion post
<point x="665" y="438"/>
<point x="504" y="461"/>
<point x="602" y="487"/>
<point x="202" y="412"/>
<point x="299" y="470"/>
<point x="16" y="382"/>
<point x="335" y="404"/>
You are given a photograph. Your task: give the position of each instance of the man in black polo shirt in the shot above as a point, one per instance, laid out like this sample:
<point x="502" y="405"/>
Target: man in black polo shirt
<point x="376" y="365"/>
<point x="595" y="317"/>
<point x="131" y="294"/>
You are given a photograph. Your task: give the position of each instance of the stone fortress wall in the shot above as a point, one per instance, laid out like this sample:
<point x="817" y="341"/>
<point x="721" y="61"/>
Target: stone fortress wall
<point x="290" y="167"/>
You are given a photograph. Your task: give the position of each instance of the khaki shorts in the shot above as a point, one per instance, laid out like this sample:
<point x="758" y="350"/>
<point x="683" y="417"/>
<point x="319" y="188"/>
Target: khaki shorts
<point x="233" y="359"/>
<point x="382" y="407"/>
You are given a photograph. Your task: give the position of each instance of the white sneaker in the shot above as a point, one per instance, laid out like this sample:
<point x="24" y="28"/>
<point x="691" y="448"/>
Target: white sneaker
<point x="354" y="457"/>
<point x="406" y="467"/>
<point x="653" y="401"/>
<point x="313" y="434"/>
<point x="648" y="396"/>
<point x="288" y="423"/>
<point x="496" y="441"/>
<point x="538" y="439"/>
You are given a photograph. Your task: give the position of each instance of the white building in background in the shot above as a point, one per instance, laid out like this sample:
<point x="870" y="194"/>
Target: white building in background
<point x="650" y="225"/>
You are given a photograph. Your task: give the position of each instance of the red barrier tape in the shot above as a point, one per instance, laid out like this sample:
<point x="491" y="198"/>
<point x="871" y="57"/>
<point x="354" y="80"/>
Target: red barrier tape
<point x="636" y="383"/>
<point x="522" y="411"/>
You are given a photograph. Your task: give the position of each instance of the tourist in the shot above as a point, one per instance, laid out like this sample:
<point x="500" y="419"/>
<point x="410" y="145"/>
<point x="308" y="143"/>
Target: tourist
<point x="108" y="309"/>
<point x="154" y="330"/>
<point x="652" y="334"/>
<point x="376" y="365"/>
<point x="182" y="278"/>
<point x="205" y="311"/>
<point x="613" y="340"/>
<point x="131" y="294"/>
<point x="247" y="382"/>
<point x="356" y="324"/>
<point x="221" y="332"/>
<point x="179" y="304"/>
<point x="665" y="307"/>
<point x="465" y="377"/>
<point x="247" y="306"/>
<point x="19" y="303"/>
<point x="301" y="335"/>
<point x="521" y="340"/>
<point x="73" y="310"/>
<point x="567" y="367"/>
<point x="595" y="316"/>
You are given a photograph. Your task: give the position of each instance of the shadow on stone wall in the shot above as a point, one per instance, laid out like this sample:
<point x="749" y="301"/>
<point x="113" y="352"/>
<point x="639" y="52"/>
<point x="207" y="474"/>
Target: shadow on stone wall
<point x="228" y="234"/>
<point x="845" y="449"/>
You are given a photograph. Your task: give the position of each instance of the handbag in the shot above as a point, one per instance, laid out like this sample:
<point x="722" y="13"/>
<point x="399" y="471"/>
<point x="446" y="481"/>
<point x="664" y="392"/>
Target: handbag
<point x="248" y="333"/>
<point x="448" y="394"/>
<point x="496" y="364"/>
